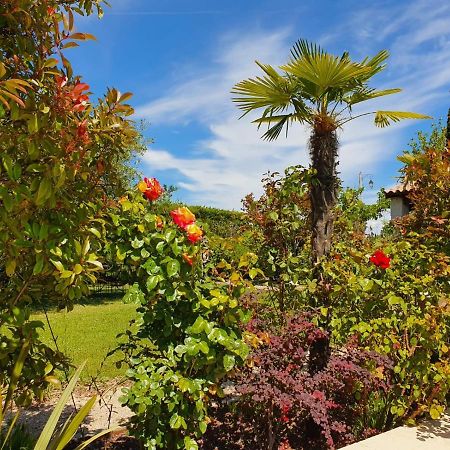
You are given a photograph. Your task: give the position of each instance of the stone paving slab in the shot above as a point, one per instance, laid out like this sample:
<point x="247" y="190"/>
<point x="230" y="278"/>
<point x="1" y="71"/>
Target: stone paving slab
<point x="431" y="434"/>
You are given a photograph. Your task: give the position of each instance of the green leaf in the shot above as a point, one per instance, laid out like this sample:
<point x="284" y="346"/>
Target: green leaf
<point x="84" y="444"/>
<point x="198" y="326"/>
<point x="47" y="432"/>
<point x="66" y="274"/>
<point x="434" y="413"/>
<point x="175" y="421"/>
<point x="203" y="346"/>
<point x="190" y="444"/>
<point x="44" y="191"/>
<point x="384" y="118"/>
<point x="95" y="232"/>
<point x="134" y="295"/>
<point x="228" y="362"/>
<point x="68" y="432"/>
<point x="173" y="267"/>
<point x="152" y="282"/>
<point x="366" y="283"/>
<point x="37" y="269"/>
<point x="137" y="243"/>
<point x="33" y="124"/>
<point x="203" y="426"/>
<point x="11" y="267"/>
<point x="170" y="235"/>
<point x="252" y="273"/>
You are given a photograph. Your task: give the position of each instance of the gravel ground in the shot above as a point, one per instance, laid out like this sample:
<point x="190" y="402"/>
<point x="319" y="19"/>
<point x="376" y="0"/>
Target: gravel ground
<point x="106" y="413"/>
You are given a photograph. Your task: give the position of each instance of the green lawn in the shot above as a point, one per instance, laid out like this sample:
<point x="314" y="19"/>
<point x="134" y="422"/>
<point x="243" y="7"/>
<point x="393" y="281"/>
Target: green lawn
<point x="88" y="333"/>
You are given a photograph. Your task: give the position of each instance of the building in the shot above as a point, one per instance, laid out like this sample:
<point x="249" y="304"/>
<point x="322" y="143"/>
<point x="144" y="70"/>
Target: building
<point x="400" y="202"/>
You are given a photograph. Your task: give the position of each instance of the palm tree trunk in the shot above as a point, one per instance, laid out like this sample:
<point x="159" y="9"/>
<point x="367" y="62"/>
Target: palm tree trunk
<point x="323" y="195"/>
<point x="323" y="192"/>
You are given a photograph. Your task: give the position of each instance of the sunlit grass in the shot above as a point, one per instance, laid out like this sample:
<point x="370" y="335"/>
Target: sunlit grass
<point x="89" y="333"/>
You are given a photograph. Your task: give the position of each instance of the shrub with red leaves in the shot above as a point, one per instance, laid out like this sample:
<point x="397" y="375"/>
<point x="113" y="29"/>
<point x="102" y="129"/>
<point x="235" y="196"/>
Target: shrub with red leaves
<point x="278" y="404"/>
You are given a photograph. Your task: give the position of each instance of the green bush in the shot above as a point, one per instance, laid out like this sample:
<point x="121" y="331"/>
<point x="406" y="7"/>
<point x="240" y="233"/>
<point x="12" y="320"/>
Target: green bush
<point x="187" y="335"/>
<point x="402" y="311"/>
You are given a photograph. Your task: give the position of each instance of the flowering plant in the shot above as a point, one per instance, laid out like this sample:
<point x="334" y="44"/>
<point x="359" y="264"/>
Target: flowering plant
<point x="380" y="259"/>
<point x="186" y="337"/>
<point x="150" y="188"/>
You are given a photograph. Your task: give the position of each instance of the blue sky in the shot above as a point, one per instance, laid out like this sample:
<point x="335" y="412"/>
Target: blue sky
<point x="181" y="59"/>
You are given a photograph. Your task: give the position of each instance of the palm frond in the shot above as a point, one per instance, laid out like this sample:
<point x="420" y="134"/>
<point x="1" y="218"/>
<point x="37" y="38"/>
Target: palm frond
<point x="385" y="118"/>
<point x="271" y="91"/>
<point x="322" y="69"/>
<point x="376" y="63"/>
<point x="365" y="93"/>
<point x="305" y="49"/>
<point x="273" y="132"/>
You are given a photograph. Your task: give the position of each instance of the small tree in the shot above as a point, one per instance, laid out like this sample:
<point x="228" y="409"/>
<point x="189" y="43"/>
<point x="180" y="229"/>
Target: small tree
<point x="318" y="89"/>
<point x="61" y="161"/>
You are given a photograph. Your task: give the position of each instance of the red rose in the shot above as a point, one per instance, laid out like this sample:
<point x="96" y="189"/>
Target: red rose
<point x="380" y="259"/>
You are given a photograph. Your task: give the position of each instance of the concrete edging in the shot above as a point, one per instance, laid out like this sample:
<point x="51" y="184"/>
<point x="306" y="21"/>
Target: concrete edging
<point x="430" y="434"/>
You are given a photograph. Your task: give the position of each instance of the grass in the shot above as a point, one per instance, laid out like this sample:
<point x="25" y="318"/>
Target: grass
<point x="89" y="333"/>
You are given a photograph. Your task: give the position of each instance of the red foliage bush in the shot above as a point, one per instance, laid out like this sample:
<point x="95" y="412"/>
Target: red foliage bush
<point x="278" y="404"/>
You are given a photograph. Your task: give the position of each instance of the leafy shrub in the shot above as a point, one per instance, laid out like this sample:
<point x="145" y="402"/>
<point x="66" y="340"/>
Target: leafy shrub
<point x="62" y="158"/>
<point x="187" y="336"/>
<point x="399" y="308"/>
<point x="220" y="222"/>
<point x="426" y="170"/>
<point x="278" y="222"/>
<point x="278" y="404"/>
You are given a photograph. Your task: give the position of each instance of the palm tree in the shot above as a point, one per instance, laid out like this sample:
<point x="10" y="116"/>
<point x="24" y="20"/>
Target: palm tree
<point x="320" y="90"/>
<point x="317" y="89"/>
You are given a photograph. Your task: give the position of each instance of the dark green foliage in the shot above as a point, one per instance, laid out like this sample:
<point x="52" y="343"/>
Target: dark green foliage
<point x="20" y="439"/>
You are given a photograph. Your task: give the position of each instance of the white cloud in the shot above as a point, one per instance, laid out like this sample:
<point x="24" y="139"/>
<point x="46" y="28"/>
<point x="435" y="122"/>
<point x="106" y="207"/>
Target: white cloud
<point x="230" y="162"/>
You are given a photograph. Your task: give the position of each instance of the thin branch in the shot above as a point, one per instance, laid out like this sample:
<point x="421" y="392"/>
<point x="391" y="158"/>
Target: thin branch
<point x="22" y="291"/>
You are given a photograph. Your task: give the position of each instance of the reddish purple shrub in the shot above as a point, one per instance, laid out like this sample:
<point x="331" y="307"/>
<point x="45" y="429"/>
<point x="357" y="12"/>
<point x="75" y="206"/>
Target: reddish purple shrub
<point x="278" y="404"/>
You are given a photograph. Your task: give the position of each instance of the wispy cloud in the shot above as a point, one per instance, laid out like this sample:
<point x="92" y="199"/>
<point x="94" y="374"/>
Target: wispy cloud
<point x="233" y="157"/>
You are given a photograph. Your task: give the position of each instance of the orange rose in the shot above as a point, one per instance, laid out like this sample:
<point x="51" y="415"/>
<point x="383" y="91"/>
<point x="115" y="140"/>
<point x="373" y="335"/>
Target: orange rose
<point x="182" y="217"/>
<point x="187" y="258"/>
<point x="158" y="222"/>
<point x="151" y="188"/>
<point x="194" y="233"/>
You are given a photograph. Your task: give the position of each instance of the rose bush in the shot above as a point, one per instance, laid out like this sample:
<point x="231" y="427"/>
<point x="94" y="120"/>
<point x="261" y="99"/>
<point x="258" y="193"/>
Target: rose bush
<point x="187" y="336"/>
